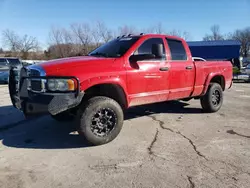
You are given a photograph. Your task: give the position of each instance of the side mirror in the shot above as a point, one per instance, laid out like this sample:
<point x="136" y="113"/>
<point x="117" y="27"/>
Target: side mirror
<point x="141" y="57"/>
<point x="157" y="50"/>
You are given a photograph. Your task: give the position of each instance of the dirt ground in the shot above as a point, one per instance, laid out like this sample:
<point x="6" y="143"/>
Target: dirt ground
<point x="170" y="144"/>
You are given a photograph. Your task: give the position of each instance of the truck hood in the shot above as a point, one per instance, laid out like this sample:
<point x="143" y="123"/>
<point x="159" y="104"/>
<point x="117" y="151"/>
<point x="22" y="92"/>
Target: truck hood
<point x="58" y="65"/>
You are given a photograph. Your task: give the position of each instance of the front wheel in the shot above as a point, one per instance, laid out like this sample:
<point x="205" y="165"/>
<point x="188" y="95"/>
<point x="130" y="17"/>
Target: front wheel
<point x="101" y="120"/>
<point x="213" y="99"/>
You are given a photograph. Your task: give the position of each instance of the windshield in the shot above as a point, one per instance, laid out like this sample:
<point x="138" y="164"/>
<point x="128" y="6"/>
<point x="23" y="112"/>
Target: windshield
<point x="14" y="61"/>
<point x="114" y="48"/>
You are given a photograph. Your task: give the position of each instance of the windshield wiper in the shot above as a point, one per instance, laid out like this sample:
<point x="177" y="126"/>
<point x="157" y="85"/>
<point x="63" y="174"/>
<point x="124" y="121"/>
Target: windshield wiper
<point x="99" y="54"/>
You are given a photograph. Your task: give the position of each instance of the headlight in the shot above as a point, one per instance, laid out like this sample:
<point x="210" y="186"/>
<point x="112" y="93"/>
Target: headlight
<point x="61" y="85"/>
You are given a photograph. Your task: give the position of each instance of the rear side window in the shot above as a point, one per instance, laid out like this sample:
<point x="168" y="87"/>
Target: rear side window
<point x="3" y="62"/>
<point x="14" y="62"/>
<point x="146" y="47"/>
<point x="177" y="49"/>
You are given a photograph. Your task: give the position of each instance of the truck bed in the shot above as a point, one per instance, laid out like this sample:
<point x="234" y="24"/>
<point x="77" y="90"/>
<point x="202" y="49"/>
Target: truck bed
<point x="205" y="70"/>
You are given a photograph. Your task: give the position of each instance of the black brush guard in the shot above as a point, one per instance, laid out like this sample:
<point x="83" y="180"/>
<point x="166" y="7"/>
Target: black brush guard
<point x="38" y="103"/>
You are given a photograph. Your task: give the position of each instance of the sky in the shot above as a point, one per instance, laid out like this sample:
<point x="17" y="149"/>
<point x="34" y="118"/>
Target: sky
<point x="36" y="17"/>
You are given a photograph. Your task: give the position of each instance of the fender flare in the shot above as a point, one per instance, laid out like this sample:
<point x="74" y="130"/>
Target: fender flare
<point x="208" y="80"/>
<point x="116" y="80"/>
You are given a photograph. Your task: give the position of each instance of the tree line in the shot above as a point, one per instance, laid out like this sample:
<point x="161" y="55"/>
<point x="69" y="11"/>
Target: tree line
<point x="80" y="38"/>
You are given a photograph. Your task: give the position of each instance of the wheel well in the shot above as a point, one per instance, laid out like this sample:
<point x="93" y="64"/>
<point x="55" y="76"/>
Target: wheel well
<point x="220" y="80"/>
<point x="113" y="91"/>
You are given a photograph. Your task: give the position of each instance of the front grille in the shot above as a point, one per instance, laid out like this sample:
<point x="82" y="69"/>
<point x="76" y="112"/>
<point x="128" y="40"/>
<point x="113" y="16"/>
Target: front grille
<point x="35" y="82"/>
<point x="36" y="85"/>
<point x="33" y="73"/>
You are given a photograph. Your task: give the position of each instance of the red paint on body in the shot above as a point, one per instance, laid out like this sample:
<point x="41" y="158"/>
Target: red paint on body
<point x="144" y="82"/>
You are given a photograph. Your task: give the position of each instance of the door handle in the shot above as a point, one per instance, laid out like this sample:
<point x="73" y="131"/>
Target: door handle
<point x="164" y="68"/>
<point x="189" y="67"/>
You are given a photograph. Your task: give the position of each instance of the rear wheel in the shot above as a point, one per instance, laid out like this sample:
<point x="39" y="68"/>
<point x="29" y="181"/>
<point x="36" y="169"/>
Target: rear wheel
<point x="100" y="120"/>
<point x="213" y="99"/>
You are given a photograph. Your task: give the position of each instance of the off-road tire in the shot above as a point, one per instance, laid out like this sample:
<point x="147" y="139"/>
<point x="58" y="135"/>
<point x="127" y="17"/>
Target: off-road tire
<point x="207" y="100"/>
<point x="87" y="112"/>
<point x="63" y="117"/>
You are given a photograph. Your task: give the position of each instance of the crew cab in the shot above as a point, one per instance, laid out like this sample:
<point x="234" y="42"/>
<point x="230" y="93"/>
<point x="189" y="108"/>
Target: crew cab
<point x="95" y="90"/>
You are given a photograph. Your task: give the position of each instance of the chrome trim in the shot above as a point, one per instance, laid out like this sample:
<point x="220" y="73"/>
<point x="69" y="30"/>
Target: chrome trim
<point x="41" y="73"/>
<point x="43" y="84"/>
<point x="37" y="68"/>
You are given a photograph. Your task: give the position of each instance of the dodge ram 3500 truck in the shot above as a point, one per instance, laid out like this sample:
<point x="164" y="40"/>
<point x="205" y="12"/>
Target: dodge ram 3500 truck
<point x="95" y="90"/>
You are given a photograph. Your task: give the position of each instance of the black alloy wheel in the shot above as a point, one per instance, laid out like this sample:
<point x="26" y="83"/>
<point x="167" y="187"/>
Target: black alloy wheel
<point x="213" y="99"/>
<point x="100" y="120"/>
<point x="103" y="122"/>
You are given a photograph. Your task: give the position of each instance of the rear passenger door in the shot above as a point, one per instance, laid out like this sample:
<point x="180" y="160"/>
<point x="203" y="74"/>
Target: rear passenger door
<point x="182" y="71"/>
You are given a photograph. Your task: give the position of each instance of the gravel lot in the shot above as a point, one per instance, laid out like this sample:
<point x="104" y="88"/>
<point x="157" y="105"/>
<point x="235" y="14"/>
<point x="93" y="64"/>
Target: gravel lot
<point x="170" y="144"/>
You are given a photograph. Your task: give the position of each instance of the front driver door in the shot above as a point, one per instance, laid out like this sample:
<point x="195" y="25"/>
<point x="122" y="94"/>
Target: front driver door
<point x="148" y="79"/>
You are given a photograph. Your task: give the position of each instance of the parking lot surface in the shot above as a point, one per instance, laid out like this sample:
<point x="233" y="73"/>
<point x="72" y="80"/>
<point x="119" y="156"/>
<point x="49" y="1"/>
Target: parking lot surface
<point x="171" y="144"/>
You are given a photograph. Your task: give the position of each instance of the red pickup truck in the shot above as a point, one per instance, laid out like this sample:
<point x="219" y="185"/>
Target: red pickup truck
<point x="128" y="71"/>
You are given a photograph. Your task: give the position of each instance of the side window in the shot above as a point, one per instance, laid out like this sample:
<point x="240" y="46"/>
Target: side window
<point x="177" y="49"/>
<point x="3" y="62"/>
<point x="146" y="46"/>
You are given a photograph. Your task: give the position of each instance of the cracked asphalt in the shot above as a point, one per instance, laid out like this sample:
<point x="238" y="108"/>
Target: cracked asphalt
<point x="172" y="144"/>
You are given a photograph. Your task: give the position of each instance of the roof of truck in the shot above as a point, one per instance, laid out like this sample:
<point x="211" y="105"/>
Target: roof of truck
<point x="149" y="35"/>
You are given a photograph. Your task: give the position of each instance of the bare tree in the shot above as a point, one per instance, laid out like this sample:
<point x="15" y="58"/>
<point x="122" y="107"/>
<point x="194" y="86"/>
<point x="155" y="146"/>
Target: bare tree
<point x="21" y="44"/>
<point x="244" y="37"/>
<point x="228" y="36"/>
<point x="67" y="36"/>
<point x="60" y="43"/>
<point x="183" y="34"/>
<point x="55" y="37"/>
<point x="96" y="35"/>
<point x="82" y="35"/>
<point x="28" y="43"/>
<point x="11" y="40"/>
<point x="125" y="30"/>
<point x="157" y="29"/>
<point x="215" y="35"/>
<point x="101" y="33"/>
<point x="150" y="29"/>
<point x="77" y="40"/>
